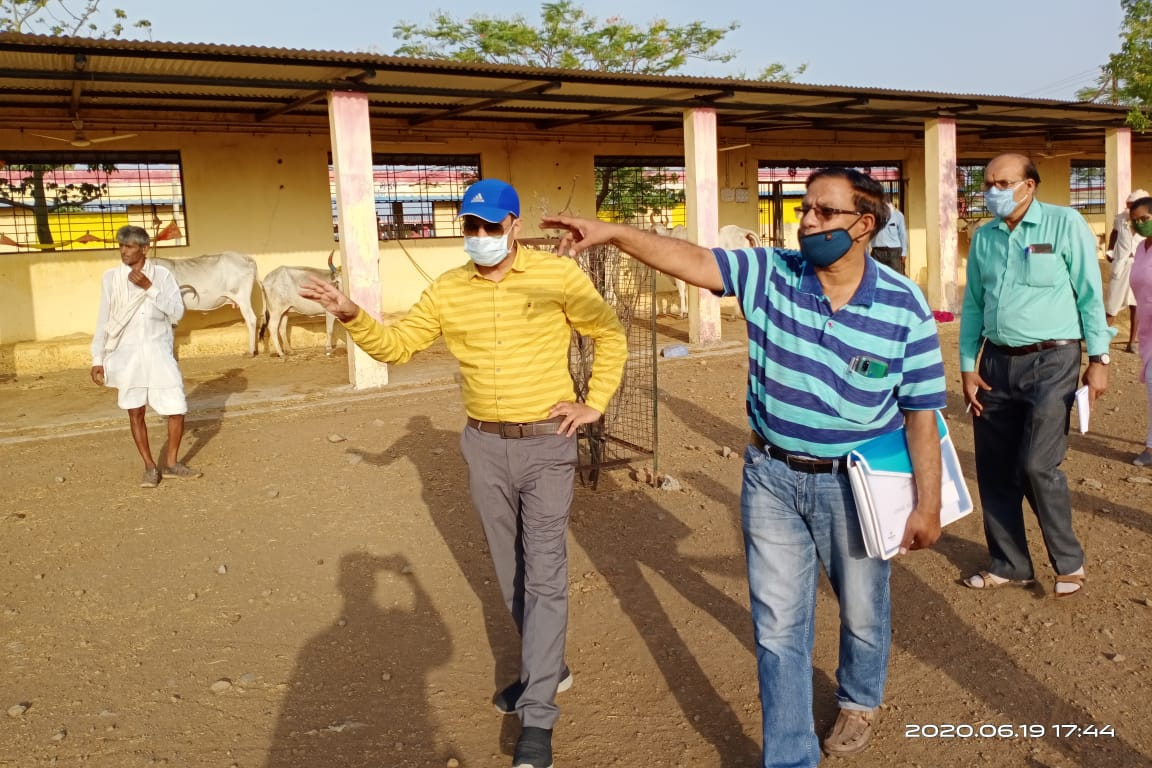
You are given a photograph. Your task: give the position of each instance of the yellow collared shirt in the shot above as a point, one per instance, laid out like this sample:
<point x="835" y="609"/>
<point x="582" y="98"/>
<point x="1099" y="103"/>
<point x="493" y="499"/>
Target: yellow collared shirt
<point x="511" y="338"/>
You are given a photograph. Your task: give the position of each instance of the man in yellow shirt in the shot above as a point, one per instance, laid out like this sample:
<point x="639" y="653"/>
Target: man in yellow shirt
<point x="507" y="317"/>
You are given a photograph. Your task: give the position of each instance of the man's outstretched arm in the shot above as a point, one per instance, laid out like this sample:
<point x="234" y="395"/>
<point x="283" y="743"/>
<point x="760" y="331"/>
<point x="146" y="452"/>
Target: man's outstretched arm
<point x="679" y="258"/>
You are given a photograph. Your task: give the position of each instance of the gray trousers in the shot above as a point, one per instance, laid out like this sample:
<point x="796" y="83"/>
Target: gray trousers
<point x="522" y="489"/>
<point x="1020" y="441"/>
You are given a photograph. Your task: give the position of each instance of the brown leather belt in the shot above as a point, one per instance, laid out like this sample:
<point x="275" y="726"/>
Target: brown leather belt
<point x="1039" y="346"/>
<point x="798" y="463"/>
<point x="514" y="430"/>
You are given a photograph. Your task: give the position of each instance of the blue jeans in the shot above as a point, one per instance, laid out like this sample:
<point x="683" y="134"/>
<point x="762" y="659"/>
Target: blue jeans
<point x="794" y="523"/>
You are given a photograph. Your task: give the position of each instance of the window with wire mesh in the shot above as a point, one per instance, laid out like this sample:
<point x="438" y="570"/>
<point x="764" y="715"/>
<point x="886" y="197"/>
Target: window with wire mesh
<point x="72" y="201"/>
<point x="642" y="191"/>
<point x="970" y="191"/>
<point x="1087" y="186"/>
<point x="782" y="187"/>
<point x="416" y="196"/>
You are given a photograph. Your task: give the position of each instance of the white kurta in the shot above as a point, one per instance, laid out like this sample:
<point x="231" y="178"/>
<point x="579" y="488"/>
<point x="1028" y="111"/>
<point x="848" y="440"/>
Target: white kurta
<point x="1119" y="293"/>
<point x="143" y="357"/>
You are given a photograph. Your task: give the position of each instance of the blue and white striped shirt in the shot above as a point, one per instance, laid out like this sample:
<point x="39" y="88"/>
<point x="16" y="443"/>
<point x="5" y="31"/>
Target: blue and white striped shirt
<point x="803" y="395"/>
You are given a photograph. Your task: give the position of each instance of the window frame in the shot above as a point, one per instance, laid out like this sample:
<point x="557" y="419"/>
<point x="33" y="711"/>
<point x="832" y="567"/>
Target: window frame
<point x="108" y="189"/>
<point x="435" y="213"/>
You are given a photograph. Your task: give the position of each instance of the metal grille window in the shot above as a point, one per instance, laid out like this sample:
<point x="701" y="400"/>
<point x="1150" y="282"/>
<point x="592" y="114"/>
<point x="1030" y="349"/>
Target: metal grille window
<point x="642" y="191"/>
<point x="781" y="190"/>
<point x="970" y="191"/>
<point x="416" y="195"/>
<point x="1087" y="186"/>
<point x="71" y="201"/>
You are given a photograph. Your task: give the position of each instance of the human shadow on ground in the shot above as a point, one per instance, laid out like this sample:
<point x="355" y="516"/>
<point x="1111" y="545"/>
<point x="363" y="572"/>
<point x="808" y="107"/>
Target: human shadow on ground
<point x="647" y="540"/>
<point x="358" y="696"/>
<point x="444" y="480"/>
<point x="206" y="405"/>
<point x="967" y="657"/>
<point x="1098" y="507"/>
<point x="445" y="489"/>
<point x="982" y="667"/>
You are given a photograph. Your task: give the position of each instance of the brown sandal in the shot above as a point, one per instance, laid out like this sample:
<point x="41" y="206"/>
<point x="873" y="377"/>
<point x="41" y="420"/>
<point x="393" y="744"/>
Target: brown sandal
<point x="1072" y="578"/>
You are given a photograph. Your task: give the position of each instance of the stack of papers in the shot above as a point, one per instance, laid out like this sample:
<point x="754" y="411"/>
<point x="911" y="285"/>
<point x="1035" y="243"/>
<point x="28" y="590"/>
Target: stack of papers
<point x="1082" y="407"/>
<point x="885" y="491"/>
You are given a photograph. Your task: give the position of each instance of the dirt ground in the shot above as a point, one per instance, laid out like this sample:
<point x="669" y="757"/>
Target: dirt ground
<point x="322" y="597"/>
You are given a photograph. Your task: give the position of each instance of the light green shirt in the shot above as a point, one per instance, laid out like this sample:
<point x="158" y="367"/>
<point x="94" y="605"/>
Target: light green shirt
<point x="1017" y="295"/>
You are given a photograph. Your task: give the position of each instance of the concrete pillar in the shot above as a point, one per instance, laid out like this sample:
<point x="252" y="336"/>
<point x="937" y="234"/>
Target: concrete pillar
<point x="1117" y="172"/>
<point x="356" y="214"/>
<point x="941" y="217"/>
<point x="701" y="185"/>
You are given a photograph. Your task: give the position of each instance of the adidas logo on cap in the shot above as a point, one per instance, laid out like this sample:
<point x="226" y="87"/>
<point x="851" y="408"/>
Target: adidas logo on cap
<point x="477" y="198"/>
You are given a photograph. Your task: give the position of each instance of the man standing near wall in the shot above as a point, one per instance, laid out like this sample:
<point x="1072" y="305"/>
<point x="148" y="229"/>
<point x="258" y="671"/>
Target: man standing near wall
<point x="890" y="245"/>
<point x="1034" y="292"/>
<point x="1121" y="251"/>
<point x="508" y="317"/>
<point x="132" y="349"/>
<point x="840" y="351"/>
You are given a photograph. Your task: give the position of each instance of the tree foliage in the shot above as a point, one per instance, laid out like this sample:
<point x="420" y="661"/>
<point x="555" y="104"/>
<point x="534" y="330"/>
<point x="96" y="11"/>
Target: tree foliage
<point x="630" y="193"/>
<point x="567" y="37"/>
<point x="64" y="17"/>
<point x="35" y="188"/>
<point x="1127" y="77"/>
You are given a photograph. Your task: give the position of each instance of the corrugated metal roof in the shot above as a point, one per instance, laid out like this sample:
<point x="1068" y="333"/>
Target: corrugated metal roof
<point x="45" y="79"/>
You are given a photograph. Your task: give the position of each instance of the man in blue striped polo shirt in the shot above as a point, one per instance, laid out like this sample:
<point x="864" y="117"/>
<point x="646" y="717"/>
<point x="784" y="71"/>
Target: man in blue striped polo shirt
<point x="841" y="349"/>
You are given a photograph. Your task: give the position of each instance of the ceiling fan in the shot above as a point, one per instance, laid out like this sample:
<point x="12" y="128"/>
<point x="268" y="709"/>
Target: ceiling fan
<point x="1050" y="152"/>
<point x="80" y="139"/>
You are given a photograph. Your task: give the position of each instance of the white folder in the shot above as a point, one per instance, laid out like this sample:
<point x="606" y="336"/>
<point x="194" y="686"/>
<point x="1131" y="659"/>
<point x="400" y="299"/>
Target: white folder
<point x="885" y="492"/>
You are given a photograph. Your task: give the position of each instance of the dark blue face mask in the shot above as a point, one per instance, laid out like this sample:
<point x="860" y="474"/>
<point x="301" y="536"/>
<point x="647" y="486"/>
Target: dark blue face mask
<point x="823" y="249"/>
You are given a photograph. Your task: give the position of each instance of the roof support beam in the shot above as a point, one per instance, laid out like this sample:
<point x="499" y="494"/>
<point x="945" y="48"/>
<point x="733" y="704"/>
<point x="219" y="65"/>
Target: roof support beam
<point x="465" y="108"/>
<point x="311" y="98"/>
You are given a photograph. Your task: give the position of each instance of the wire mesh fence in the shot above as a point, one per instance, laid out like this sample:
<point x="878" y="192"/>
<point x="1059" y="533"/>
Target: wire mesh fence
<point x="627" y="433"/>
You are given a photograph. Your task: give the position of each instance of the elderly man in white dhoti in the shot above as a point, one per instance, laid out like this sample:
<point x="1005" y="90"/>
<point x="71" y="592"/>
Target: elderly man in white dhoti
<point x="132" y="349"/>
<point x="1121" y="251"/>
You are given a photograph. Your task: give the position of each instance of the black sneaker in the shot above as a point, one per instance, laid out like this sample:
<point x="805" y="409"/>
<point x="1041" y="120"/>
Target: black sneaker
<point x="505" y="700"/>
<point x="534" y="749"/>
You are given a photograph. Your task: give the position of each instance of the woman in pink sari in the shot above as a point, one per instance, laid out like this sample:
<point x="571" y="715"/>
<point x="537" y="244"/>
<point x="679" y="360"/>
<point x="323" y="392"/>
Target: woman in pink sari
<point x="1141" y="281"/>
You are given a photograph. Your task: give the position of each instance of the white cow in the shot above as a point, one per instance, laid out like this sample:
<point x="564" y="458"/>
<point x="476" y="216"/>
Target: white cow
<point x="282" y="295"/>
<point x="730" y="237"/>
<point x="216" y="280"/>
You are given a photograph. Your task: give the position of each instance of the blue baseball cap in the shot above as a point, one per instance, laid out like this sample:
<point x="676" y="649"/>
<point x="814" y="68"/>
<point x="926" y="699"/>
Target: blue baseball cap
<point x="491" y="200"/>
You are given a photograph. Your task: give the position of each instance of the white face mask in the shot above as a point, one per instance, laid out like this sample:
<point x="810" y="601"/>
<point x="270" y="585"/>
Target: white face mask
<point x="487" y="251"/>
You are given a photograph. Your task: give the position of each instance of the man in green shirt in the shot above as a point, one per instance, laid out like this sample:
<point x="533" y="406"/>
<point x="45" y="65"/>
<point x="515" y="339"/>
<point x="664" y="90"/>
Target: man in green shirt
<point x="1034" y="293"/>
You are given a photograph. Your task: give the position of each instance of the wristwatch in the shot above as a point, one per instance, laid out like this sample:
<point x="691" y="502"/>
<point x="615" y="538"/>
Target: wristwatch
<point x="1103" y="359"/>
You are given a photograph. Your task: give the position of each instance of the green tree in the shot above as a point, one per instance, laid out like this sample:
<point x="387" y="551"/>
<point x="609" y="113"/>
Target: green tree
<point x="1127" y="77"/>
<point x="35" y="188"/>
<point x="63" y="17"/>
<point x="630" y="193"/>
<point x="567" y="37"/>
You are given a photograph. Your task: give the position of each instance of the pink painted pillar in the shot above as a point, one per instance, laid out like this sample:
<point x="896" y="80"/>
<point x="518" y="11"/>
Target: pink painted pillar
<point x="941" y="214"/>
<point x="1118" y="172"/>
<point x="701" y="186"/>
<point x="351" y="137"/>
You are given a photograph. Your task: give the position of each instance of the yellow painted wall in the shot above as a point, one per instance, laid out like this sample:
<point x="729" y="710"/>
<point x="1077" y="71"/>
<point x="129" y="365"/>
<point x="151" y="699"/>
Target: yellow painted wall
<point x="268" y="196"/>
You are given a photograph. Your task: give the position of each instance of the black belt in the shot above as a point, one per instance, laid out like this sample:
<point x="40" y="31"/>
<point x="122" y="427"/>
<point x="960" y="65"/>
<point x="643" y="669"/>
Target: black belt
<point x="1039" y="346"/>
<point x="515" y="429"/>
<point x="799" y="463"/>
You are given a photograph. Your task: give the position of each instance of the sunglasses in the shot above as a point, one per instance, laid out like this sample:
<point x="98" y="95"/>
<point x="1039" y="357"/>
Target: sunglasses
<point x="824" y="212"/>
<point x="473" y="224"/>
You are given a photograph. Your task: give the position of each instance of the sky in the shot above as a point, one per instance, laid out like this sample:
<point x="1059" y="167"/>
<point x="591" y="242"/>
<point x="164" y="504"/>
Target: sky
<point x="1030" y="48"/>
